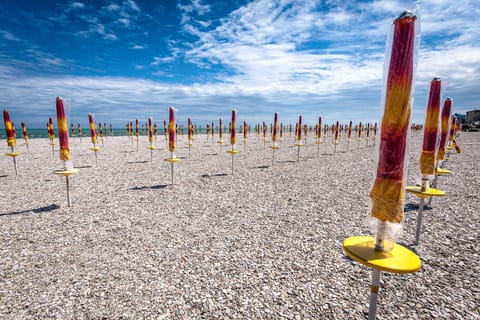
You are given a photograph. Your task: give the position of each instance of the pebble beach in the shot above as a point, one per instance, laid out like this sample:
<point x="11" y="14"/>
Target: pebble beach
<point x="263" y="242"/>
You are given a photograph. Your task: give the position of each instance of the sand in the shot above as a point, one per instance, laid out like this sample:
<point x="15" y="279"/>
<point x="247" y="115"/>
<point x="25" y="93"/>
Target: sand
<point x="263" y="243"/>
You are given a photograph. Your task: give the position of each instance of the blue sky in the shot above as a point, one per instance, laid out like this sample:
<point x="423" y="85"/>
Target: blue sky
<point x="127" y="59"/>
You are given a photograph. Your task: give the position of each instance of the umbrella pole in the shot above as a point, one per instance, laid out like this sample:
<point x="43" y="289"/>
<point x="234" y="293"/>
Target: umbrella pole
<point x="334" y="148"/>
<point x="53" y="150"/>
<point x="151" y="155"/>
<point x="232" y="161"/>
<point x="68" y="190"/>
<point x="372" y="310"/>
<point x="14" y="161"/>
<point x="273" y="157"/>
<point x="171" y="168"/>
<point x="318" y="149"/>
<point x="419" y="219"/>
<point x="298" y="153"/>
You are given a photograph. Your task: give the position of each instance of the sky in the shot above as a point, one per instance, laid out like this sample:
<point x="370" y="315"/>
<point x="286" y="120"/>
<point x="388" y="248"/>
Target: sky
<point x="128" y="59"/>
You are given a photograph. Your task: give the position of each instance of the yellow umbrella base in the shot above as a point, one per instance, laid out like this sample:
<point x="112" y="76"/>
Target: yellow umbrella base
<point x="318" y="142"/>
<point x="233" y="151"/>
<point x="397" y="260"/>
<point x="173" y="160"/>
<point x="440" y="171"/>
<point x="66" y="172"/>
<point x="151" y="147"/>
<point x="429" y="192"/>
<point x="220" y="142"/>
<point x="275" y="147"/>
<point x="335" y="142"/>
<point x="13" y="154"/>
<point x="96" y="149"/>
<point x="298" y="145"/>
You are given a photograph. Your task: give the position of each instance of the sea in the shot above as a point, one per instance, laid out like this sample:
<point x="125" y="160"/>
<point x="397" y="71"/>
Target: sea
<point x="42" y="133"/>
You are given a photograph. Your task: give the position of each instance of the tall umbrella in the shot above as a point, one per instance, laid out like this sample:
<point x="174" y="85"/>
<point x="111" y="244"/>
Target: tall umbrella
<point x="427" y="156"/>
<point x="11" y="140"/>
<point x="65" y="156"/>
<point x="387" y="193"/>
<point x="233" y="136"/>
<point x="25" y="134"/>
<point x="172" y="141"/>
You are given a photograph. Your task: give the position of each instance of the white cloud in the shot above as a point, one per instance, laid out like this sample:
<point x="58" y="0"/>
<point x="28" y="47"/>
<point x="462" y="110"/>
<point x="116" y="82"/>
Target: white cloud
<point x="77" y="5"/>
<point x="132" y="5"/>
<point x="99" y="30"/>
<point x="8" y="36"/>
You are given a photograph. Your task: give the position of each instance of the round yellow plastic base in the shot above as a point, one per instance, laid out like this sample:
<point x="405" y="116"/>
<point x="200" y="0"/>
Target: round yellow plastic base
<point x="429" y="192"/>
<point x="441" y="171"/>
<point x="298" y="145"/>
<point x="233" y="151"/>
<point x="397" y="260"/>
<point x="151" y="147"/>
<point x="220" y="142"/>
<point x="66" y="172"/>
<point x="173" y="160"/>
<point x="318" y="142"/>
<point x="95" y="149"/>
<point x="335" y="142"/>
<point x="13" y="154"/>
<point x="275" y="147"/>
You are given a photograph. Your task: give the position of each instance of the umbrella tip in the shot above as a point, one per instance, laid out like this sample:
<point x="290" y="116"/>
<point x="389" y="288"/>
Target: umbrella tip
<point x="406" y="14"/>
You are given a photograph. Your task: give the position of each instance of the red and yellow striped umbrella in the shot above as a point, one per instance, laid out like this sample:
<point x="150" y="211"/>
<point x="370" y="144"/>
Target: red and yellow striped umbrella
<point x="445" y="119"/>
<point x="349" y="131"/>
<point x="233" y="126"/>
<point x="51" y="133"/>
<point x="189" y="129"/>
<point x="319" y="129"/>
<point x="427" y="157"/>
<point x="387" y="193"/>
<point x="150" y="130"/>
<point x="453" y="133"/>
<point x="220" y="129"/>
<point x="62" y="131"/>
<point x="93" y="128"/>
<point x="9" y="130"/>
<point x="275" y="126"/>
<point x="299" y="129"/>
<point x="171" y="130"/>
<point x="335" y="140"/>
<point x="24" y="132"/>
